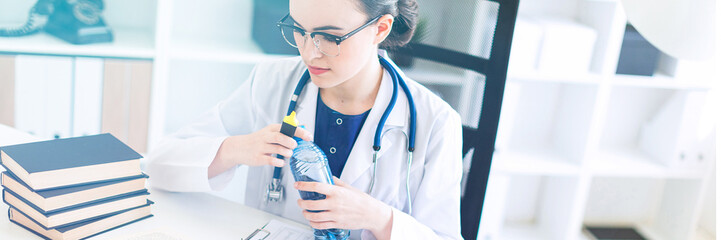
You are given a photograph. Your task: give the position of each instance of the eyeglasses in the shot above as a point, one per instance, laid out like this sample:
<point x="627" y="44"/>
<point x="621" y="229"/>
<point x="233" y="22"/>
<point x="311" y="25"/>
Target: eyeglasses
<point x="328" y="44"/>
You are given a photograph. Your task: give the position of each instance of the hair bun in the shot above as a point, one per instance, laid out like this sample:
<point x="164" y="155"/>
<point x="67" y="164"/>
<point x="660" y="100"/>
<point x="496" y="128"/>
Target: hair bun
<point x="405" y="14"/>
<point x="404" y="24"/>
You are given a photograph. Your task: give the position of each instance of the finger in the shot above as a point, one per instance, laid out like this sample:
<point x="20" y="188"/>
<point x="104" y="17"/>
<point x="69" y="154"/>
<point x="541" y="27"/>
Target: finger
<point x="314" y="205"/>
<point x="324" y="216"/>
<point x="324" y="225"/>
<point x="281" y="139"/>
<point x="338" y="182"/>
<point x="274" y="161"/>
<point x="273" y="127"/>
<point x="278" y="149"/>
<point x="321" y="188"/>
<point x="303" y="134"/>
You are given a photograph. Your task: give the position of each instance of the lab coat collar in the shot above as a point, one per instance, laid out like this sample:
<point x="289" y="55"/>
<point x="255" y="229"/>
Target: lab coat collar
<point x="361" y="156"/>
<point x="305" y="110"/>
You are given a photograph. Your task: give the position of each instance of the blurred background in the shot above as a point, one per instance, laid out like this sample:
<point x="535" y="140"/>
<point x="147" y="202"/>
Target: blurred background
<point x="606" y="119"/>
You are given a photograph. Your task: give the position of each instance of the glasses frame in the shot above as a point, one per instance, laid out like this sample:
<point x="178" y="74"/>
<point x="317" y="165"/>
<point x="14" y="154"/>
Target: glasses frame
<point x="338" y="39"/>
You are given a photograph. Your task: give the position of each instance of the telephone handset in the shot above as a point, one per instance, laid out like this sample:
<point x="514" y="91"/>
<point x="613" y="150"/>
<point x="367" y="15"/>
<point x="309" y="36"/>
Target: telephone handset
<point x="75" y="21"/>
<point x="36" y="21"/>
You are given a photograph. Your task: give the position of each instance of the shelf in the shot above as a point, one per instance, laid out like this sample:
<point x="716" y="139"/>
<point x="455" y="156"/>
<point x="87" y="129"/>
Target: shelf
<point x="643" y="229"/>
<point x="127" y="44"/>
<point x="219" y="50"/>
<point x="536" y="76"/>
<point x="655" y="207"/>
<point x="648" y="232"/>
<point x="522" y="231"/>
<point x="634" y="163"/>
<point x="541" y="161"/>
<point x="702" y="234"/>
<point x="656" y="81"/>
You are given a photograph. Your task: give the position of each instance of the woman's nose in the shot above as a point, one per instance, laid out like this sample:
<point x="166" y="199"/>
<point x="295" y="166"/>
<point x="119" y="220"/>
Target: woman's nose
<point x="310" y="49"/>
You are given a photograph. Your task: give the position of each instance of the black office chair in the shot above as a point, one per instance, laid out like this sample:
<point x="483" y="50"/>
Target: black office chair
<point x="481" y="138"/>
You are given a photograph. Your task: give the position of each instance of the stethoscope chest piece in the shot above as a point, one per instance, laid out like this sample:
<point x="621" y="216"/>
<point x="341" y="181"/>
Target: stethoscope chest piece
<point x="275" y="191"/>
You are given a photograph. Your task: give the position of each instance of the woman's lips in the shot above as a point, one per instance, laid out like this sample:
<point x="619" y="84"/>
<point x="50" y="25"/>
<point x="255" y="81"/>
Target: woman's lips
<point x="317" y="70"/>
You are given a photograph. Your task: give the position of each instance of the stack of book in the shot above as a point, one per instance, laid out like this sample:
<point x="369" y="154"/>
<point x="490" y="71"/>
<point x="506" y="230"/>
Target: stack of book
<point x="75" y="187"/>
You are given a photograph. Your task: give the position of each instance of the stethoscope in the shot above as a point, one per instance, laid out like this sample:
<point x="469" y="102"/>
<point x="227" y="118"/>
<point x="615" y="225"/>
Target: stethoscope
<point x="275" y="190"/>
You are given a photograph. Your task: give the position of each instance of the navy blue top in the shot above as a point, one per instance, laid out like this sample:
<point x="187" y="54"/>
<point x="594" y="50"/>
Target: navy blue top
<point x="335" y="134"/>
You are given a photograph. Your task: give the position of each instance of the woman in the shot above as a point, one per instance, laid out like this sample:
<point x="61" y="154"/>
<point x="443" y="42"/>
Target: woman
<point x="340" y="107"/>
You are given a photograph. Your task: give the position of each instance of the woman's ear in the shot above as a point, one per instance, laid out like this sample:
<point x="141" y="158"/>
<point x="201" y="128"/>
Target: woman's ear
<point x="384" y="26"/>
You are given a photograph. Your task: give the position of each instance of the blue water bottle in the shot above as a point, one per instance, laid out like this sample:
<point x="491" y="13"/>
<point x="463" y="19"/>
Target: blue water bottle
<point x="309" y="164"/>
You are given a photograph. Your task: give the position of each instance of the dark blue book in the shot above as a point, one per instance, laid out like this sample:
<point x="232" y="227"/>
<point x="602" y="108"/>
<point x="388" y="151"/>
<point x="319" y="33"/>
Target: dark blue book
<point x="57" y="199"/>
<point x="82" y="230"/>
<point x="70" y="161"/>
<point x="69" y="216"/>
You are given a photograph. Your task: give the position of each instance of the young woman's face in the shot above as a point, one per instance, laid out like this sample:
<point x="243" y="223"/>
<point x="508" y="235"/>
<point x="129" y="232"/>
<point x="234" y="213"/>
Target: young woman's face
<point x="336" y="17"/>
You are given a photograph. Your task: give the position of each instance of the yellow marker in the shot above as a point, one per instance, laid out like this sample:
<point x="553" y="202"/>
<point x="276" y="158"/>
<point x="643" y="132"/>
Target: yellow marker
<point x="289" y="125"/>
<point x="290" y="119"/>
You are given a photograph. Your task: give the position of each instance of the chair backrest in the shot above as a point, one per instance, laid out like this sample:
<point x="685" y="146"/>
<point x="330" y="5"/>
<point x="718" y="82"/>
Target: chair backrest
<point x="481" y="138"/>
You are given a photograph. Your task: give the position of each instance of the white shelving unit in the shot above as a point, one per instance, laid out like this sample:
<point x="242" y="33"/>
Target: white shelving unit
<point x="128" y="43"/>
<point x="570" y="146"/>
<point x="578" y="137"/>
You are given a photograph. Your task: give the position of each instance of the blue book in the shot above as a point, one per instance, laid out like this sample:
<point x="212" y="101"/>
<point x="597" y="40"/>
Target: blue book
<point x="69" y="216"/>
<point x="57" y="199"/>
<point x="70" y="161"/>
<point x="82" y="230"/>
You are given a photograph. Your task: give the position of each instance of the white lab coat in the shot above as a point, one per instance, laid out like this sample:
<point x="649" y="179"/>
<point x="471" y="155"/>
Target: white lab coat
<point x="180" y="161"/>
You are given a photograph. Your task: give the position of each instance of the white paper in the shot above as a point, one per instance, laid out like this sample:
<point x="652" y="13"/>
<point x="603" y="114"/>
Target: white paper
<point x="279" y="230"/>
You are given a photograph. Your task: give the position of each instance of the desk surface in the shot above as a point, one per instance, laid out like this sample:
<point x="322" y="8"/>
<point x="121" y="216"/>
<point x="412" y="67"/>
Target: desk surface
<point x="184" y="215"/>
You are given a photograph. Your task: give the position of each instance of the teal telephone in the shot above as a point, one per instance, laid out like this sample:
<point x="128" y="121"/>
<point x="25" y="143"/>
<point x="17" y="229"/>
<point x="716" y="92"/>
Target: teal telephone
<point x="75" y="21"/>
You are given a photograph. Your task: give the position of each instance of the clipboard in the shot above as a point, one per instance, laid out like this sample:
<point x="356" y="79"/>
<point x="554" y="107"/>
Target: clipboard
<point x="275" y="229"/>
<point x="258" y="234"/>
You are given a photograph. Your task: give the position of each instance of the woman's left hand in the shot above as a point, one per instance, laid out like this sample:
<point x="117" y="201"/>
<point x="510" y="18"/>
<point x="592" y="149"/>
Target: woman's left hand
<point x="345" y="208"/>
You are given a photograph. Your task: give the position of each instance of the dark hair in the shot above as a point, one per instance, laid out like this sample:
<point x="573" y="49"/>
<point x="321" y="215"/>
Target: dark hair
<point x="405" y="13"/>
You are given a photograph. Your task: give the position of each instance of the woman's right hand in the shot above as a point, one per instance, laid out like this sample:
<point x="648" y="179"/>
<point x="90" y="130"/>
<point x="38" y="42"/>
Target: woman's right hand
<point x="256" y="149"/>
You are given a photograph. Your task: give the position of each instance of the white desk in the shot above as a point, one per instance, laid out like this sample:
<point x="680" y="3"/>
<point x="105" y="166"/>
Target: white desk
<point x="184" y="215"/>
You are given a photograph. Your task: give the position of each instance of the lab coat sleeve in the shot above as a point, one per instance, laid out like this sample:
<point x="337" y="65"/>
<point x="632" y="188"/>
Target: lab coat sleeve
<point x="180" y="161"/>
<point x="436" y="212"/>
